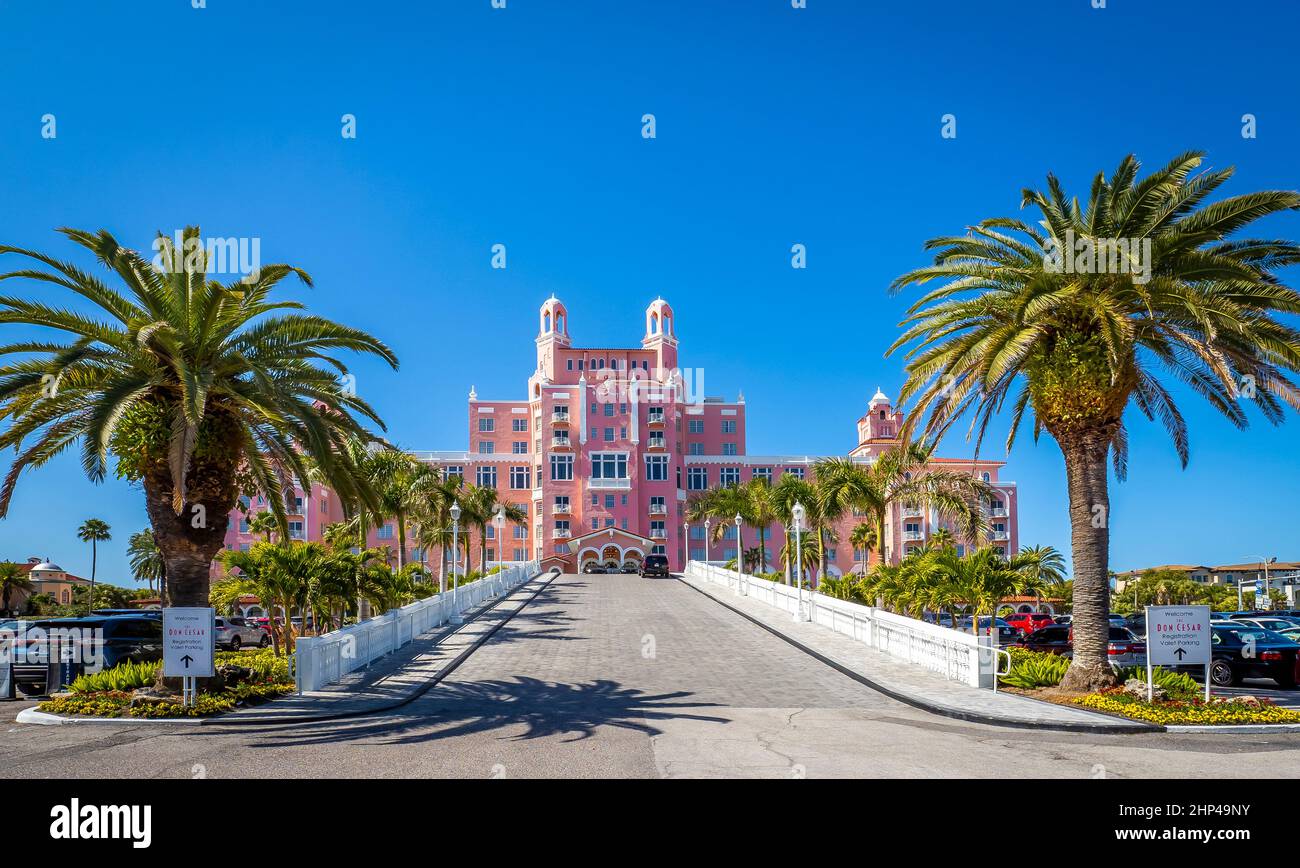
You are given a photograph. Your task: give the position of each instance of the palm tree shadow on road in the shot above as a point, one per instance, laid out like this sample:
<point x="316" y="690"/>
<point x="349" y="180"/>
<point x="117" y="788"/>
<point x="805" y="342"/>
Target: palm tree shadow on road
<point x="545" y="709"/>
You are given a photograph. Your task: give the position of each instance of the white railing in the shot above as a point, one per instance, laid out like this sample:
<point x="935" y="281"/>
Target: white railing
<point x="958" y="656"/>
<point x="322" y="660"/>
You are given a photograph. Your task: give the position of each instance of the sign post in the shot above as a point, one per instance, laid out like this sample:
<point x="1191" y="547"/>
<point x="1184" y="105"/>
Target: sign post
<point x="1178" y="636"/>
<point x="189" y="646"/>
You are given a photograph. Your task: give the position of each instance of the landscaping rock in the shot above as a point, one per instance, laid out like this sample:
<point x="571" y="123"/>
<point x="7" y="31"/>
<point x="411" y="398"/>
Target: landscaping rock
<point x="1137" y="687"/>
<point x="153" y="696"/>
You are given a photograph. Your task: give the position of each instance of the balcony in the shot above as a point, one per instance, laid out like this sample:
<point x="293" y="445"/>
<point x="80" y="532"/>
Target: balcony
<point x="560" y="418"/>
<point x="560" y="533"/>
<point x="999" y="535"/>
<point x="998" y="512"/>
<point x="655" y="420"/>
<point x="911" y="512"/>
<point x="624" y="484"/>
<point x="913" y="535"/>
<point x="560" y="509"/>
<point x="561" y="443"/>
<point x="658" y="509"/>
<point x="658" y="533"/>
<point x="656" y="443"/>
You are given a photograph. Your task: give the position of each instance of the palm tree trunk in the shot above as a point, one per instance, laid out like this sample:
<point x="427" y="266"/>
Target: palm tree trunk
<point x="1085" y="468"/>
<point x="762" y="549"/>
<point x="94" y="562"/>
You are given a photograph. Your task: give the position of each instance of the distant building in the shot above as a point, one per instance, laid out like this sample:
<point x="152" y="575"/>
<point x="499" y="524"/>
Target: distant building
<point x="47" y="578"/>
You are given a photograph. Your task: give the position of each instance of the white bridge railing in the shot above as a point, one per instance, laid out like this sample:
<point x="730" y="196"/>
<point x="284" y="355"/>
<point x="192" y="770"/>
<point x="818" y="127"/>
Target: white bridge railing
<point x="321" y="660"/>
<point x="958" y="656"/>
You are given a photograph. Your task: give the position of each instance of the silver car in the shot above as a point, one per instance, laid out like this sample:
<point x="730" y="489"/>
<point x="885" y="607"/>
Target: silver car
<point x="235" y="633"/>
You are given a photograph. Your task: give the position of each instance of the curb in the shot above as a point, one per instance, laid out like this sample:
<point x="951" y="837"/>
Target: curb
<point x="1236" y="729"/>
<point x="43" y="718"/>
<point x="917" y="701"/>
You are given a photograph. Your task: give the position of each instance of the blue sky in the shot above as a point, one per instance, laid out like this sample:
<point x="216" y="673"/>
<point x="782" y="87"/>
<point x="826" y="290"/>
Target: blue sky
<point x="521" y="126"/>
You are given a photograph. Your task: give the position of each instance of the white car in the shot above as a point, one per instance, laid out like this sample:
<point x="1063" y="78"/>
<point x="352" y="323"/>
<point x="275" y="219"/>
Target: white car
<point x="1266" y="622"/>
<point x="234" y="633"/>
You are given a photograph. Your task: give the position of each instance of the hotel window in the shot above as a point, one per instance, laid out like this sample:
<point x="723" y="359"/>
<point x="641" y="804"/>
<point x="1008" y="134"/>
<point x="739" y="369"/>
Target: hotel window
<point x="491" y="553"/>
<point x="622" y="433"/>
<point x="595" y="408"/>
<point x="830" y="554"/>
<point x="520" y="532"/>
<point x="569" y="364"/>
<point x="519" y="425"/>
<point x="796" y="472"/>
<point x="595" y="499"/>
<point x="658" y="550"/>
<point x="595" y="433"/>
<point x="385" y="532"/>
<point x="582" y="363"/>
<point x="486" y="476"/>
<point x="697" y="478"/>
<point x="728" y="426"/>
<point x="697" y="554"/>
<point x="655" y="414"/>
<point x="622" y="409"/>
<point x="697" y="532"/>
<point x="490" y="532"/>
<point x="763" y="473"/>
<point x="609" y="465"/>
<point x="696" y="449"/>
<point x="658" y="529"/>
<point x="487" y="425"/>
<point x="609" y="501"/>
<point x="244" y="503"/>
<point x="562" y="525"/>
<point x="656" y="468"/>
<point x="595" y="524"/>
<point x="609" y="522"/>
<point x="623" y="523"/>
<point x="623" y="500"/>
<point x="859" y="555"/>
<point x="728" y="448"/>
<point x="519" y="478"/>
<point x="609" y="409"/>
<point x="486" y="447"/>
<point x="453" y="470"/>
<point x="729" y="476"/>
<point x="561" y="468"/>
<point x="609" y="435"/>
<point x="695" y="426"/>
<point x="417" y="554"/>
<point x="562" y="503"/>
<point x="986" y="477"/>
<point x="519" y="554"/>
<point x="658" y="504"/>
<point x="243" y="525"/>
<point x="729" y="531"/>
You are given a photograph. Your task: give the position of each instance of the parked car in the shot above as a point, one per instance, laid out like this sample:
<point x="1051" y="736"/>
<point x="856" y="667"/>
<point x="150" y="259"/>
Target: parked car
<point x="629" y="568"/>
<point x="109" y="640"/>
<point x="233" y="633"/>
<point x="1006" y="633"/>
<point x="655" y="565"/>
<point x="1270" y="622"/>
<point x="1138" y="624"/>
<point x="1028" y="622"/>
<point x="593" y="568"/>
<point x="1064" y="619"/>
<point x="1122" y="649"/>
<point x="1292" y="633"/>
<point x="1249" y="652"/>
<point x="943" y="619"/>
<point x="147" y="613"/>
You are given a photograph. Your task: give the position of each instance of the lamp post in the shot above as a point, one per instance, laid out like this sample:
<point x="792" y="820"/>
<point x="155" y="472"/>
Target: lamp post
<point x="500" y="521"/>
<point x="686" y="543"/>
<point x="740" y="560"/>
<point x="706" y="541"/>
<point x="797" y="513"/>
<point x="455" y="544"/>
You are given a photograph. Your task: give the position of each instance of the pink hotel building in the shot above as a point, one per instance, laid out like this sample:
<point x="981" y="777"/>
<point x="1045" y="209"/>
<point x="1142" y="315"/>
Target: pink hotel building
<point x="607" y="446"/>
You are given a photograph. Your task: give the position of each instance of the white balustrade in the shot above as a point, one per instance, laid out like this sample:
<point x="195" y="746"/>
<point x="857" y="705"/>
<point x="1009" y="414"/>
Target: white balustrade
<point x="322" y="660"/>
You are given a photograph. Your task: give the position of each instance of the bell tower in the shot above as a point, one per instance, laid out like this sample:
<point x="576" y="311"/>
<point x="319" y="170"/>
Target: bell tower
<point x="661" y="335"/>
<point x="552" y="333"/>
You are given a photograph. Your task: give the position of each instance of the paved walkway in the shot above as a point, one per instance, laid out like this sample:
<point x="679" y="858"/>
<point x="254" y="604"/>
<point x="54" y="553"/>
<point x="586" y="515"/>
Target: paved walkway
<point x="913" y="684"/>
<point x="397" y="678"/>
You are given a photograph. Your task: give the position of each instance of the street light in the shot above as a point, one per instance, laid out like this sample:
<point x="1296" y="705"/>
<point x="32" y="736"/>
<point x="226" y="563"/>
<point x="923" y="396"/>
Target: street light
<point x="455" y="544"/>
<point x="706" y="541"/>
<point x="500" y="521"/>
<point x="740" y="560"/>
<point x="686" y="542"/>
<point x="797" y="513"/>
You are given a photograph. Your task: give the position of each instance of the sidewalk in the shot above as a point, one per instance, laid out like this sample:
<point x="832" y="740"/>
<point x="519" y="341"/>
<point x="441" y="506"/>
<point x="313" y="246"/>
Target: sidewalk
<point x="912" y="684"/>
<point x="389" y="682"/>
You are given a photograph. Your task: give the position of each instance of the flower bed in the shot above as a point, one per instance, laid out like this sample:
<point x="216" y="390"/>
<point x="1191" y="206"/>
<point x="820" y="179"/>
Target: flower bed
<point x="1193" y="711"/>
<point x="109" y="693"/>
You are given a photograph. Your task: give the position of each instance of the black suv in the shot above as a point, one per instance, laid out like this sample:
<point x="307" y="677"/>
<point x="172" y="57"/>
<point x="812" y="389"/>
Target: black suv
<point x="107" y="641"/>
<point x="655" y="565"/>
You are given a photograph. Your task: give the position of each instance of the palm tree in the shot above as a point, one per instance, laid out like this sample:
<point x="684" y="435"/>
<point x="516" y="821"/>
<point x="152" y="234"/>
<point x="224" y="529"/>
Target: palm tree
<point x="401" y="482"/>
<point x="863" y="538"/>
<point x="93" y="531"/>
<point x="1076" y="344"/>
<point x="146" y="561"/>
<point x="1044" y="564"/>
<point x="188" y="382"/>
<point x="479" y="506"/>
<point x="789" y="490"/>
<point x="263" y="523"/>
<point x="13" y="578"/>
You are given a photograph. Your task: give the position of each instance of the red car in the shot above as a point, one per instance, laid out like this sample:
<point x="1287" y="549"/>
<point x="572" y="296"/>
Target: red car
<point x="1028" y="622"/>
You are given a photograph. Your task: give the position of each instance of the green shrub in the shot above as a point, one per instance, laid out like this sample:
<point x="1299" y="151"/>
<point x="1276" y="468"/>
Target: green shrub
<point x="1176" y="684"/>
<point x="122" y="677"/>
<point x="1031" y="671"/>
